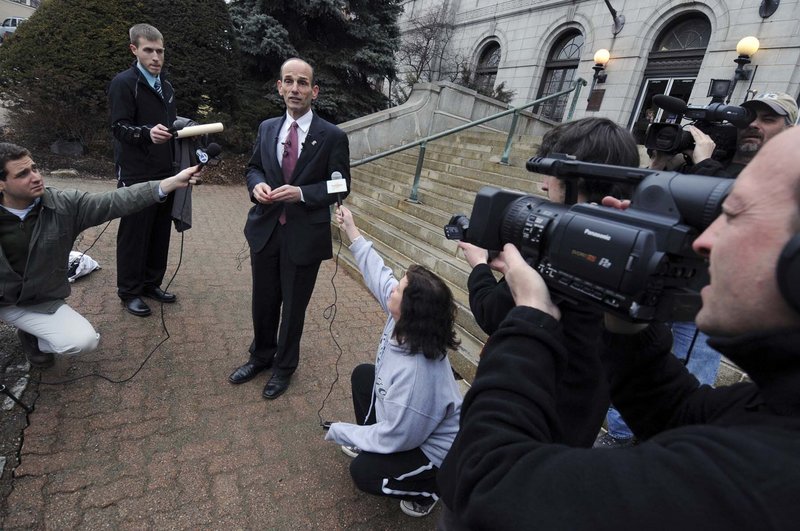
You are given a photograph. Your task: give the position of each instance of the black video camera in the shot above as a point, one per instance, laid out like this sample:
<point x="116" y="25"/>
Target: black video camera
<point x="636" y="263"/>
<point x="672" y="138"/>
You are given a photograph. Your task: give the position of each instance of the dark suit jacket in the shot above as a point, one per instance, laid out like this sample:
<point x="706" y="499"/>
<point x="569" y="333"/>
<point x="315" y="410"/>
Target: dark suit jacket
<point x="325" y="150"/>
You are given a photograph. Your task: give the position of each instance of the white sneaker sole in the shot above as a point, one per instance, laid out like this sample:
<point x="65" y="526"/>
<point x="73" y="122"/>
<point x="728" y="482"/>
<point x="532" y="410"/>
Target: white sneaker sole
<point x="411" y="512"/>
<point x="348" y="452"/>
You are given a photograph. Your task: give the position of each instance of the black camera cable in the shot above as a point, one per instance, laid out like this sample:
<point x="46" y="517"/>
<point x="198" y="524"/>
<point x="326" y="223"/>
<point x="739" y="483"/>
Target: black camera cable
<point x="330" y="315"/>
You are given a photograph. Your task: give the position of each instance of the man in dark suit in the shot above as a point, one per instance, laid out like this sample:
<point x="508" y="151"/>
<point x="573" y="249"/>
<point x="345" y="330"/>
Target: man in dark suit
<point x="143" y="107"/>
<point x="288" y="228"/>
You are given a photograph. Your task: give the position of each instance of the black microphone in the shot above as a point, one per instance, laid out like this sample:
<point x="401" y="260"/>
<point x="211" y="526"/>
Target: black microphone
<point x="204" y="155"/>
<point x="669" y="103"/>
<point x="714" y="112"/>
<point x="207" y="153"/>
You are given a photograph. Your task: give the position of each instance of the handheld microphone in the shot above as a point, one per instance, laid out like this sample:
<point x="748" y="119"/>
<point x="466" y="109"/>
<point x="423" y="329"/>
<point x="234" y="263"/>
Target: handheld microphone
<point x="207" y="153"/>
<point x="197" y="130"/>
<point x="337" y="185"/>
<point x="204" y="155"/>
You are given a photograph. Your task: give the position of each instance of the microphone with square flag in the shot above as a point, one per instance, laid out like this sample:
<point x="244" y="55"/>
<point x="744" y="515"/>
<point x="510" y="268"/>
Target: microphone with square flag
<point x="337" y="185"/>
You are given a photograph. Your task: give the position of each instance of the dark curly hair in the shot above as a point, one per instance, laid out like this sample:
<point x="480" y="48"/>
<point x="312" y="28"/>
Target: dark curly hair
<point x="427" y="314"/>
<point x="596" y="140"/>
<point x="9" y="151"/>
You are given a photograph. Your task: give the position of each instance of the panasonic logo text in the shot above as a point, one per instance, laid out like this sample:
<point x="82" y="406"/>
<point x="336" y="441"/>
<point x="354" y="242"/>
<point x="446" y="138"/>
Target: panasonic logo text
<point x="599" y="235"/>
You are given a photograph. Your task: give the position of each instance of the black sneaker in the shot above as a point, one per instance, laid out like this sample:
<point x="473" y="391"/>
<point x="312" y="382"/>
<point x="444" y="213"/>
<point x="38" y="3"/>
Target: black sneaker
<point x="606" y="440"/>
<point x="30" y="346"/>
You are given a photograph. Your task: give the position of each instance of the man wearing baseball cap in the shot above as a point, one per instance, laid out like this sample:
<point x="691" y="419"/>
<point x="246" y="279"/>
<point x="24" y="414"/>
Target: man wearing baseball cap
<point x="779" y="102"/>
<point x="774" y="112"/>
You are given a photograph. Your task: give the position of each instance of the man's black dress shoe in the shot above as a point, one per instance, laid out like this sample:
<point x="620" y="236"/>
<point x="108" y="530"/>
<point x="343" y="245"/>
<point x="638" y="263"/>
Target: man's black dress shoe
<point x="137" y="307"/>
<point x="276" y="386"/>
<point x="246" y="372"/>
<point x="159" y="294"/>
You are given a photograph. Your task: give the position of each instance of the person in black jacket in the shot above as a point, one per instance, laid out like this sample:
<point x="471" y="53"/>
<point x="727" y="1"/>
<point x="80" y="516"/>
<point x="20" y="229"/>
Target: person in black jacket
<point x="724" y="458"/>
<point x="143" y="108"/>
<point x="584" y="398"/>
<point x="288" y="226"/>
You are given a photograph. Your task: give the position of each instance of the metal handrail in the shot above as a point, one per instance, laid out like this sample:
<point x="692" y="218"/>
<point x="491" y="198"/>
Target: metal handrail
<point x="423" y="142"/>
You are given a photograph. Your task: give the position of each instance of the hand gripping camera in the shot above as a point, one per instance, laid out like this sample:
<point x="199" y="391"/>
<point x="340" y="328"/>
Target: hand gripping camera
<point x="672" y="138"/>
<point x="636" y="263"/>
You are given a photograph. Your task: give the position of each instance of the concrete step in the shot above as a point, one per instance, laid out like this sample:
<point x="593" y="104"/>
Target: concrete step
<point x="467" y="174"/>
<point x="518" y="155"/>
<point x="426" y="212"/>
<point x="447" y="185"/>
<point x="428" y="197"/>
<point x="493" y="141"/>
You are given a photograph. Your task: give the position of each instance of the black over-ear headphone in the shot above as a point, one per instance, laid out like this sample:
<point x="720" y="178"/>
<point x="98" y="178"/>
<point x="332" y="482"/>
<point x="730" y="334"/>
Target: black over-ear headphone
<point x="788" y="272"/>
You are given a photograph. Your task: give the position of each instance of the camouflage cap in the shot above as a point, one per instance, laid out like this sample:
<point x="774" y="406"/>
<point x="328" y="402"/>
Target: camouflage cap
<point x="780" y="102"/>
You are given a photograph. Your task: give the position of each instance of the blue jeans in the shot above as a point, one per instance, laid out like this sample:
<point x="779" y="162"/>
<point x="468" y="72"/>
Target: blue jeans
<point x="703" y="363"/>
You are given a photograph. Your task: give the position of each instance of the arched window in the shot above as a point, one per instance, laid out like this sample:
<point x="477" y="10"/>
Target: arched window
<point x="691" y="33"/>
<point x="672" y="67"/>
<point x="486" y="71"/>
<point x="559" y="72"/>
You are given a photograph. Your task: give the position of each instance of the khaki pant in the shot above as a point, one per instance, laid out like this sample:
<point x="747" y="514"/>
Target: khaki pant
<point x="63" y="332"/>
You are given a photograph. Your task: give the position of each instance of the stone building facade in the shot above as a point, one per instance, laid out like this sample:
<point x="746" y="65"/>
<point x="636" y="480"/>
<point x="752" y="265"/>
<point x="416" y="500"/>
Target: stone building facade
<point x="679" y="48"/>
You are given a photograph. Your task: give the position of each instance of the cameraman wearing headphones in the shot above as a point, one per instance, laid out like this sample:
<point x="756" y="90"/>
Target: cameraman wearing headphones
<point x="724" y="458"/>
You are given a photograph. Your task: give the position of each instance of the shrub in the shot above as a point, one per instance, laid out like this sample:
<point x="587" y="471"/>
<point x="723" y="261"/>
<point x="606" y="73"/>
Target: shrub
<point x="56" y="70"/>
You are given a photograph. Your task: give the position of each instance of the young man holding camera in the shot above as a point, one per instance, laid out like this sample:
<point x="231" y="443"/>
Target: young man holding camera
<point x="583" y="400"/>
<point x="724" y="458"/>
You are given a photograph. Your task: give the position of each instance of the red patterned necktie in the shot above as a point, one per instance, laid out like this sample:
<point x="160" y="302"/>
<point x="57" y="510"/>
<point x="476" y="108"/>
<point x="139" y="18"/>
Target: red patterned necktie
<point x="290" y="146"/>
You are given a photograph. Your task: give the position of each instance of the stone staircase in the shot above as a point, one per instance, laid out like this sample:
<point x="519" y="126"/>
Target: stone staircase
<point x="455" y="168"/>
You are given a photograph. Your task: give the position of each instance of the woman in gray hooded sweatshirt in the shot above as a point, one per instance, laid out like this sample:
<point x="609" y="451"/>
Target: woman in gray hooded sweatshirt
<point x="407" y="404"/>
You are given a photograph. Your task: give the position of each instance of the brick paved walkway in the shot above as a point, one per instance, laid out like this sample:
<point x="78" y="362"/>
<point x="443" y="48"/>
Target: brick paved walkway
<point x="177" y="447"/>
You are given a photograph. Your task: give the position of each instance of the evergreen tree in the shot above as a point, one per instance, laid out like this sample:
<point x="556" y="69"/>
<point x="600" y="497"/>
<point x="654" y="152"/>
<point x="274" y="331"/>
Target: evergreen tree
<point x="56" y="70"/>
<point x="350" y="44"/>
<point x="201" y="53"/>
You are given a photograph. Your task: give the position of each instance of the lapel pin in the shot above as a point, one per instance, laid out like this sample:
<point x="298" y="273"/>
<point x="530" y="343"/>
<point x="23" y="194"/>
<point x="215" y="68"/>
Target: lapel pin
<point x="313" y="142"/>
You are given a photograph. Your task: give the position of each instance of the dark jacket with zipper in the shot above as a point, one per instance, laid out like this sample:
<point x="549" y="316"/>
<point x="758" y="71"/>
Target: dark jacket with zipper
<point x="135" y="108"/>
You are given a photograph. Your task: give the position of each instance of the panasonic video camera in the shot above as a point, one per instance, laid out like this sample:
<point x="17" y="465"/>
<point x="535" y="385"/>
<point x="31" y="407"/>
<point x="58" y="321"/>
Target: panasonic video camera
<point x="636" y="263"/>
<point x="672" y="138"/>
